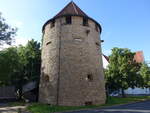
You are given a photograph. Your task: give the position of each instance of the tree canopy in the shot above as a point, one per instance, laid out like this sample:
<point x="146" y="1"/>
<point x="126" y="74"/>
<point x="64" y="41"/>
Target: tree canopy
<point x="20" y="65"/>
<point x="9" y="64"/>
<point x="6" y="32"/>
<point x="122" y="70"/>
<point x="145" y="73"/>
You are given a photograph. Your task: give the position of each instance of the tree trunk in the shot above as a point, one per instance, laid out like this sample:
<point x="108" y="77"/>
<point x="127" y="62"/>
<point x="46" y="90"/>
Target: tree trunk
<point x="122" y="93"/>
<point x="107" y="93"/>
<point x="20" y="94"/>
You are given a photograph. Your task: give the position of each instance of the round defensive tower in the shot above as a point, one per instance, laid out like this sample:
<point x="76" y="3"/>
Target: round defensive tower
<point x="72" y="70"/>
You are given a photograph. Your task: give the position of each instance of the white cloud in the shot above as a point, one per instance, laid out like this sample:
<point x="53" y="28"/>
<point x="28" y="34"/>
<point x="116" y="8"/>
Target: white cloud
<point x="4" y="46"/>
<point x="18" y="41"/>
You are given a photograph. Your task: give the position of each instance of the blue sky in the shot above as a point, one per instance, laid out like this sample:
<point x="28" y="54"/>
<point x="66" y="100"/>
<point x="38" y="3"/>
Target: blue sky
<point x="125" y="23"/>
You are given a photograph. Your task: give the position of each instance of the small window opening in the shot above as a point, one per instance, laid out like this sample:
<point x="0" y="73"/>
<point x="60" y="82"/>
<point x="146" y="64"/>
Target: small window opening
<point x="96" y="27"/>
<point x="89" y="77"/>
<point x="102" y="41"/>
<point x="48" y="43"/>
<point x="68" y="20"/>
<point x="87" y="32"/>
<point x="88" y="103"/>
<point x="46" y="78"/>
<point x="78" y="39"/>
<point x="85" y="22"/>
<point x="53" y="23"/>
<point x="97" y="44"/>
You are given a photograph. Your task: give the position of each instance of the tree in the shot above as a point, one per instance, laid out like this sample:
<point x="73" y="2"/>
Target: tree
<point x="9" y="64"/>
<point x="6" y="32"/>
<point x="30" y="58"/>
<point x="145" y="73"/>
<point x="122" y="70"/>
<point x="20" y="65"/>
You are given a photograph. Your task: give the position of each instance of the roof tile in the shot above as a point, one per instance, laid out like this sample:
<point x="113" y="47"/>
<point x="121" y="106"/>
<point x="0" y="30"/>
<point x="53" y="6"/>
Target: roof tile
<point x="71" y="9"/>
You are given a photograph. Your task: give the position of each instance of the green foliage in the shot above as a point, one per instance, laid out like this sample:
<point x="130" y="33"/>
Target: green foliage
<point x="31" y="58"/>
<point x="6" y="32"/>
<point x="122" y="70"/>
<point x="120" y="100"/>
<point x="20" y="65"/>
<point x="145" y="73"/>
<point x="9" y="64"/>
<point x="43" y="108"/>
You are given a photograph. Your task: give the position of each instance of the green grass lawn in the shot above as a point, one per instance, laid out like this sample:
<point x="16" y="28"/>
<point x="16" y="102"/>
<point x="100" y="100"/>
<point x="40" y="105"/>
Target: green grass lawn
<point x="43" y="108"/>
<point x="21" y="103"/>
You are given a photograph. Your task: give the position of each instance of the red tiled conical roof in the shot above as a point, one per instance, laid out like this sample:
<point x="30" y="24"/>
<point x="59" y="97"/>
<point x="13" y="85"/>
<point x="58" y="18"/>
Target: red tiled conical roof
<point x="71" y="9"/>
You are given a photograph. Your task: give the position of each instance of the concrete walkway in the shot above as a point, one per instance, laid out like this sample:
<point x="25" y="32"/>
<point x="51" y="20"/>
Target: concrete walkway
<point x="16" y="109"/>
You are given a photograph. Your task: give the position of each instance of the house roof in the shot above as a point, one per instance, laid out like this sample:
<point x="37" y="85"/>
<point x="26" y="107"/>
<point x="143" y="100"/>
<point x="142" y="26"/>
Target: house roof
<point x="71" y="10"/>
<point x="139" y="57"/>
<point x="106" y="57"/>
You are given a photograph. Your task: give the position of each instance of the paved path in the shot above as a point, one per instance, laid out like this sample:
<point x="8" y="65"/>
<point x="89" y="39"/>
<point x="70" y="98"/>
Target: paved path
<point x="140" y="107"/>
<point x="16" y="109"/>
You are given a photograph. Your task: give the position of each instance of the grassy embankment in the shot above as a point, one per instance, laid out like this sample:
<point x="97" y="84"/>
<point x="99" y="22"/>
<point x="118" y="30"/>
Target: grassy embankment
<point x="42" y="108"/>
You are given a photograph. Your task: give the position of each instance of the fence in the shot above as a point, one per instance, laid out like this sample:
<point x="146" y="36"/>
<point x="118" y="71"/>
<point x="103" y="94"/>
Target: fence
<point x="7" y="92"/>
<point x="138" y="91"/>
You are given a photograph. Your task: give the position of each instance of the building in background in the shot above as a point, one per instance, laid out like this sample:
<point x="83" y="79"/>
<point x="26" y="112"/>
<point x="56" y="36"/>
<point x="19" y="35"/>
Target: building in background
<point x="139" y="57"/>
<point x="105" y="61"/>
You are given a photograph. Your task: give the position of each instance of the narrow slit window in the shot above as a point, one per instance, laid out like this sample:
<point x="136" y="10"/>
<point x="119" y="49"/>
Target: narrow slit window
<point x="53" y="23"/>
<point x="78" y="39"/>
<point x="89" y="77"/>
<point x="68" y="20"/>
<point x="85" y="22"/>
<point x="88" y="103"/>
<point x="97" y="44"/>
<point x="46" y="77"/>
<point x="48" y="43"/>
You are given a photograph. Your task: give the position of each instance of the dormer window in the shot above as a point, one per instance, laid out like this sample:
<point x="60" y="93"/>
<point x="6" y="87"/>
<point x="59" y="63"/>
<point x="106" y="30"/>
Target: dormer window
<point x="85" y="22"/>
<point x="68" y="20"/>
<point x="53" y="23"/>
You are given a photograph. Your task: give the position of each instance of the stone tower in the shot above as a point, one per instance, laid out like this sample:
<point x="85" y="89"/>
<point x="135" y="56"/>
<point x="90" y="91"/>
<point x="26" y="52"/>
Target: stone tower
<point x="72" y="71"/>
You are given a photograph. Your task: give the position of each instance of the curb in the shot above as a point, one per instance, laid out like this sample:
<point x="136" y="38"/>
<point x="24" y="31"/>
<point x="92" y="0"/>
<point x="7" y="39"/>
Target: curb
<point x="103" y="107"/>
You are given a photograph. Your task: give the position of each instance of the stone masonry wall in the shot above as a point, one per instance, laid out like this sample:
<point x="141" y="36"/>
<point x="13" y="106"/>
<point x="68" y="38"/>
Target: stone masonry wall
<point x="72" y="64"/>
